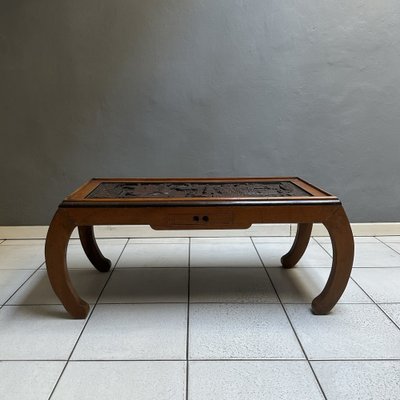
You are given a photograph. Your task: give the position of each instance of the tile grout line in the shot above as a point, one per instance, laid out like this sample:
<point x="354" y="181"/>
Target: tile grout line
<point x="378" y="304"/>
<point x="187" y="324"/>
<point x="387" y="315"/>
<point x="195" y="302"/>
<point x="387" y="245"/>
<point x="86" y="322"/>
<point x="322" y="247"/>
<point x="187" y="344"/>
<point x="68" y="360"/>
<point x="23" y="283"/>
<point x="374" y="302"/>
<point x="291" y="324"/>
<point x="286" y="360"/>
<point x="168" y="360"/>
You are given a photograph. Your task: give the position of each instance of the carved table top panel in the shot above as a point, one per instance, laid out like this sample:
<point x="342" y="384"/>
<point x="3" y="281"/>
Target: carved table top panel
<point x="131" y="190"/>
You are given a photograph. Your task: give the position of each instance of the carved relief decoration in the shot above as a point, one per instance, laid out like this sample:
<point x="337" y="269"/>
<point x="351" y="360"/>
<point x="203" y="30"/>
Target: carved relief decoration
<point x="127" y="190"/>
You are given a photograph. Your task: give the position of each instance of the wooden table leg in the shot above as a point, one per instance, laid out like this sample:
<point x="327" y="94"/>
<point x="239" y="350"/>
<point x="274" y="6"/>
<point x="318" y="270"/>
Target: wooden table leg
<point x="300" y="244"/>
<point x="92" y="251"/>
<point x="57" y="240"/>
<point x="341" y="235"/>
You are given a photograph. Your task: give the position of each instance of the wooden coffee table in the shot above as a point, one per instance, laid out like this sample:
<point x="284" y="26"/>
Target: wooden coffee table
<point x="234" y="203"/>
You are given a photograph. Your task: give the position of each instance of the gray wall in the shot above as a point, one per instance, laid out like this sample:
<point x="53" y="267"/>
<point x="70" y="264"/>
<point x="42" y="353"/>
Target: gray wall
<point x="199" y="88"/>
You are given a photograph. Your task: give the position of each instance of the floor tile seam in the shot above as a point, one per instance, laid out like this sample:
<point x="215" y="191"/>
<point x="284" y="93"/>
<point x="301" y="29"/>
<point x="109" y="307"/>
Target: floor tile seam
<point x="353" y="278"/>
<point x="376" y="303"/>
<point x="388" y="241"/>
<point x="249" y="359"/>
<point x="375" y="266"/>
<point x="41" y="245"/>
<point x="237" y="302"/>
<point x="109" y="276"/>
<point x="154" y="241"/>
<point x="58" y="380"/>
<point x="273" y="303"/>
<point x="397" y="325"/>
<point x="119" y="268"/>
<point x="272" y="242"/>
<point x="110" y="238"/>
<point x="364" y="291"/>
<point x="243" y="303"/>
<point x="292" y="326"/>
<point x="280" y="300"/>
<point x="98" y="303"/>
<point x="390" y="247"/>
<point x="354" y="359"/>
<point x="101" y="242"/>
<point x="305" y="353"/>
<point x="70" y="355"/>
<point x="323" y="248"/>
<point x="149" y="268"/>
<point x="188" y="324"/>
<point x="166" y="360"/>
<point x="183" y="360"/>
<point x="178" y="302"/>
<point x="73" y="348"/>
<point x="227" y="267"/>
<point x="288" y="360"/>
<point x="160" y="238"/>
<point x="86" y="322"/>
<point x="264" y="360"/>
<point x="119" y="257"/>
<point x="190" y="360"/>
<point x="25" y="281"/>
<point x="39" y="269"/>
<point x="32" y="360"/>
<point x="23" y="269"/>
<point x="270" y="267"/>
<point x="141" y="303"/>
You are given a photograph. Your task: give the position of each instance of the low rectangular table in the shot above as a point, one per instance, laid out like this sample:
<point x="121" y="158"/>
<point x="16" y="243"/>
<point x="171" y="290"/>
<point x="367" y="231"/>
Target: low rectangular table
<point x="218" y="203"/>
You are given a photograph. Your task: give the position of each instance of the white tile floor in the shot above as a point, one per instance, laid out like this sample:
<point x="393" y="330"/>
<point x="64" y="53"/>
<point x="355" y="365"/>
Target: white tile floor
<point x="201" y="319"/>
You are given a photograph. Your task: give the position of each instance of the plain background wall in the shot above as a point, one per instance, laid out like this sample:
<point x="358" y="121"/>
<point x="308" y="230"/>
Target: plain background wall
<point x="104" y="88"/>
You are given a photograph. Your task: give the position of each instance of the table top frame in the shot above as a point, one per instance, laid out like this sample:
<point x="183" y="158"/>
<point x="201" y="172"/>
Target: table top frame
<point x="79" y="197"/>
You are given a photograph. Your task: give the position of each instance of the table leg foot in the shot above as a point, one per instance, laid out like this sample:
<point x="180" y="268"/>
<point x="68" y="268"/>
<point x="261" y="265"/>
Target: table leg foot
<point x="92" y="251"/>
<point x="300" y="244"/>
<point x="341" y="235"/>
<point x="57" y="240"/>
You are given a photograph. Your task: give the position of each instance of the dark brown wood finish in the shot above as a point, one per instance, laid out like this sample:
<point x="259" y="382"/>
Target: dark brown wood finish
<point x="57" y="240"/>
<point x="92" y="251"/>
<point x="300" y="244"/>
<point x="198" y="213"/>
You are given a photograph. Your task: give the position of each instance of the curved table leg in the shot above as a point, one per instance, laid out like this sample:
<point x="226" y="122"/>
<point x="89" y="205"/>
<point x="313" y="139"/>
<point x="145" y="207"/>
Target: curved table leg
<point x="300" y="244"/>
<point x="341" y="235"/>
<point x="92" y="251"/>
<point x="57" y="239"/>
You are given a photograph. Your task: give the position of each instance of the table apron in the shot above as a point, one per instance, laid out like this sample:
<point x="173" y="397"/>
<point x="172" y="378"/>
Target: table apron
<point x="204" y="217"/>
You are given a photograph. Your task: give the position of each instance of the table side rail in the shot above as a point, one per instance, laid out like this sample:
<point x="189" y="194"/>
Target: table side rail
<point x="200" y="217"/>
